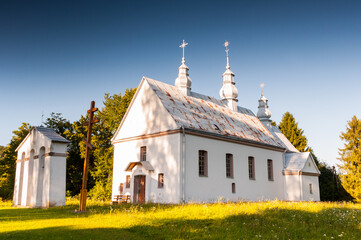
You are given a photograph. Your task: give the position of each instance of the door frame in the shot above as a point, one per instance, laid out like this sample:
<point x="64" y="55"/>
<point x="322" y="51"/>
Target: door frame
<point x="139" y="189"/>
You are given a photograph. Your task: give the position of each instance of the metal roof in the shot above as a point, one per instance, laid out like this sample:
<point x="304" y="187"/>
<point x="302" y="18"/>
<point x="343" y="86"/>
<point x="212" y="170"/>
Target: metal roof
<point x="296" y="161"/>
<point x="281" y="139"/>
<point x="211" y="115"/>
<point x="51" y="134"/>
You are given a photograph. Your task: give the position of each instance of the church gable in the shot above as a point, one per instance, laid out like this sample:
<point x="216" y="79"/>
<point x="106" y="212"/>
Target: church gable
<point x="145" y="115"/>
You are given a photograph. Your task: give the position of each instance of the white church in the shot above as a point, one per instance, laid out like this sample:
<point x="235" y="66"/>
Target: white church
<point x="175" y="145"/>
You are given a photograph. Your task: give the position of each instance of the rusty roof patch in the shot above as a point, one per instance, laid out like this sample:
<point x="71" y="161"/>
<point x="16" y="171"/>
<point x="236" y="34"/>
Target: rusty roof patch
<point x="203" y="112"/>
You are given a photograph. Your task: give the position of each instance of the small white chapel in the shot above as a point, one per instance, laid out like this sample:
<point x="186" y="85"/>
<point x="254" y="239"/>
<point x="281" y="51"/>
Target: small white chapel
<point x="40" y="169"/>
<point x="175" y="145"/>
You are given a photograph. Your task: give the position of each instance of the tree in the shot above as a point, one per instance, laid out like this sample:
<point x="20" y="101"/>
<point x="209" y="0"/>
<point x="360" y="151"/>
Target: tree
<point x="74" y="162"/>
<point x="350" y="156"/>
<point x="109" y="116"/>
<point x="330" y="189"/>
<point x="289" y="127"/>
<point x="8" y="162"/>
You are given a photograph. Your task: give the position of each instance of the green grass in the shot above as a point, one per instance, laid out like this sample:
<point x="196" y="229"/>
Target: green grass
<point x="243" y="220"/>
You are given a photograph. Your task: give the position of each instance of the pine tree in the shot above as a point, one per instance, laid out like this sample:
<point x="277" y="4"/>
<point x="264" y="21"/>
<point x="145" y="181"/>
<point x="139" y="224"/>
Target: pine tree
<point x="351" y="158"/>
<point x="289" y="127"/>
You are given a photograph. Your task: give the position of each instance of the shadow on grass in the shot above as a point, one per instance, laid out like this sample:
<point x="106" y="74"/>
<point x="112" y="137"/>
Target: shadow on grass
<point x="69" y="211"/>
<point x="268" y="224"/>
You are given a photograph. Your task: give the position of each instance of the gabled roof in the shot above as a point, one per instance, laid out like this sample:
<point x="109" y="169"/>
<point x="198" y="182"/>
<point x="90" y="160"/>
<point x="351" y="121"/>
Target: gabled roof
<point x="51" y="134"/>
<point x="46" y="132"/>
<point x="297" y="161"/>
<point x="211" y="115"/>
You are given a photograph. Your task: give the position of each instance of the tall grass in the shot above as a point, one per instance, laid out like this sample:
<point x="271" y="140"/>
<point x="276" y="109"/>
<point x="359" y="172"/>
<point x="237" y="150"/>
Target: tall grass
<point x="242" y="220"/>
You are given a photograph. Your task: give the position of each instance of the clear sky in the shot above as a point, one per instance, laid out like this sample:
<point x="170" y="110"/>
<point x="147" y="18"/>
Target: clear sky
<point x="57" y="56"/>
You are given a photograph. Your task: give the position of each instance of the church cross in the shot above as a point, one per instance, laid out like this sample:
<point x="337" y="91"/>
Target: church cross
<point x="226" y="44"/>
<point x="183" y="45"/>
<point x="262" y="85"/>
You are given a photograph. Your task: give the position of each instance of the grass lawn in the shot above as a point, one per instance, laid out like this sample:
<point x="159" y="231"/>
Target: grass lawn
<point x="243" y="220"/>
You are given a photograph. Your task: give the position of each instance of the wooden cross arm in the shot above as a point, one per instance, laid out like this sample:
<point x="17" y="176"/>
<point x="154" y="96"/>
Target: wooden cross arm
<point x="92" y="110"/>
<point x="87" y="122"/>
<point x="89" y="145"/>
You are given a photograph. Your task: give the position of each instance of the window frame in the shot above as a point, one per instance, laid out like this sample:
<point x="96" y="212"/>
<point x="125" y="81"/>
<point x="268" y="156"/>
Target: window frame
<point x="127" y="181"/>
<point x="160" y="180"/>
<point x="270" y="170"/>
<point x="202" y="163"/>
<point x="233" y="187"/>
<point x="251" y="168"/>
<point x="229" y="165"/>
<point x="311" y="190"/>
<point x="143" y="153"/>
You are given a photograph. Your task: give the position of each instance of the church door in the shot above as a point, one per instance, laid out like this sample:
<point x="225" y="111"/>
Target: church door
<point x="139" y="189"/>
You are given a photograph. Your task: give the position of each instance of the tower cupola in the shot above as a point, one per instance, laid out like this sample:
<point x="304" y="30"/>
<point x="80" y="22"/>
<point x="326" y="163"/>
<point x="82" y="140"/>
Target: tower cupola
<point x="264" y="114"/>
<point x="229" y="92"/>
<point x="183" y="81"/>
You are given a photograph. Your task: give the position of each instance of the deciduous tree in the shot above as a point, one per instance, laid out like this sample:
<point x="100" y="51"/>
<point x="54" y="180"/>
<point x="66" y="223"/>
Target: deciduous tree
<point x="8" y="162"/>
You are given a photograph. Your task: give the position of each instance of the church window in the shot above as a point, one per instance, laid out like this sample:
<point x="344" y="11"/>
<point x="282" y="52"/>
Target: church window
<point x="270" y="169"/>
<point x="203" y="163"/>
<point x="251" y="168"/>
<point x="229" y="165"/>
<point x="143" y="153"/>
<point x="233" y="188"/>
<point x="160" y="180"/>
<point x="127" y="182"/>
<point x="121" y="188"/>
<point x="311" y="192"/>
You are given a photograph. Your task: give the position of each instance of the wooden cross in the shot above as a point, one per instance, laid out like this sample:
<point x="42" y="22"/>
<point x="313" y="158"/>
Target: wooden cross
<point x="89" y="147"/>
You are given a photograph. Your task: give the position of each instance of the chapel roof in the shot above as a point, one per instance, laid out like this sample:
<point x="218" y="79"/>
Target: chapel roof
<point x="208" y="114"/>
<point x="296" y="161"/>
<point x="51" y="134"/>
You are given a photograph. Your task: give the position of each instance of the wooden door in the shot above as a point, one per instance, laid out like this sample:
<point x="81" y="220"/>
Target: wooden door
<point x="139" y="189"/>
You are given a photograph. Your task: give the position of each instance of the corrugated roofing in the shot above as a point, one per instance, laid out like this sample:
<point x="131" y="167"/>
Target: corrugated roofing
<point x="211" y="115"/>
<point x="296" y="161"/>
<point x="51" y="134"/>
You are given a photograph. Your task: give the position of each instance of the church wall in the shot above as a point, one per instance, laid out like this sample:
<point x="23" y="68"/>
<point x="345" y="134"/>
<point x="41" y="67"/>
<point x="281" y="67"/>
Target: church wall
<point x="206" y="189"/>
<point x="293" y="187"/>
<point x="309" y="166"/>
<point x="35" y="189"/>
<point x="163" y="154"/>
<point x="146" y="115"/>
<point x="306" y="181"/>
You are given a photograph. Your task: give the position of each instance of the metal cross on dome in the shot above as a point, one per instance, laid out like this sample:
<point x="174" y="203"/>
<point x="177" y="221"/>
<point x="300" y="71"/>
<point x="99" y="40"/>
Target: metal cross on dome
<point x="226" y="44"/>
<point x="183" y="45"/>
<point x="262" y="86"/>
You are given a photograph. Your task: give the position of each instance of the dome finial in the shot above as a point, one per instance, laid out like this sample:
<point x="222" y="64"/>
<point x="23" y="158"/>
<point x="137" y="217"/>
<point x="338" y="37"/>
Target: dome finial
<point x="264" y="114"/>
<point x="183" y="81"/>
<point x="229" y="92"/>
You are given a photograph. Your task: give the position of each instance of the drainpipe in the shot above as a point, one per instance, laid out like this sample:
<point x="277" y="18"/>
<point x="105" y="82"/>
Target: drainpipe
<point x="183" y="163"/>
<point x="285" y="194"/>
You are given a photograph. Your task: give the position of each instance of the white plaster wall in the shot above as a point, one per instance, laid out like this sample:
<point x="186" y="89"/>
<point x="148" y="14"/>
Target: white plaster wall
<point x="146" y="115"/>
<point x="163" y="155"/>
<point x="216" y="185"/>
<point x="306" y="181"/>
<point x="57" y="181"/>
<point x="309" y="166"/>
<point x="35" y="141"/>
<point x="293" y="187"/>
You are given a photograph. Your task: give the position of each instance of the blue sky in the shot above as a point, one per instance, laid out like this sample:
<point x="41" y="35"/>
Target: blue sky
<point x="57" y="56"/>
